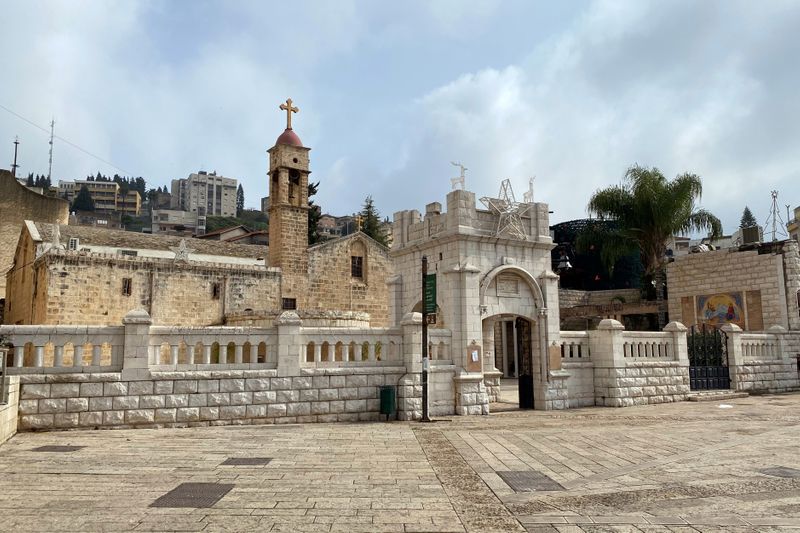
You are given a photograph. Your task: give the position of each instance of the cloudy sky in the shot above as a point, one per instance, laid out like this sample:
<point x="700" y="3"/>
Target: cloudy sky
<point x="391" y="92"/>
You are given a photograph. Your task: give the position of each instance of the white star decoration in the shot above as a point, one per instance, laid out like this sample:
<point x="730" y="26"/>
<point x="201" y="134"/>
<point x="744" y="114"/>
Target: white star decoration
<point x="182" y="251"/>
<point x="509" y="211"/>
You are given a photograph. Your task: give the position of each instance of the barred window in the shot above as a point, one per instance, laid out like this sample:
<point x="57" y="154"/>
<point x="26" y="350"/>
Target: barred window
<point x="289" y="304"/>
<point x="357" y="266"/>
<point x="127" y="286"/>
<point x="215" y="291"/>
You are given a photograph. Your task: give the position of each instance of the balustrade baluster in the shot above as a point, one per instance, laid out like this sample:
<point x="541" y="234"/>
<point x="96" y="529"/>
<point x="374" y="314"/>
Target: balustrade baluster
<point x="237" y="354"/>
<point x="77" y="355"/>
<point x="206" y="354"/>
<point x="317" y="352"/>
<point x="38" y="361"/>
<point x="371" y="351"/>
<point x="19" y="355"/>
<point x="190" y="354"/>
<point x="173" y="359"/>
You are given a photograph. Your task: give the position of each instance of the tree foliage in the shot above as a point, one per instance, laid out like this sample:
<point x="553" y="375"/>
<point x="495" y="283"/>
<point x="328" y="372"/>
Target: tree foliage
<point x="83" y="200"/>
<point x="314" y="214"/>
<point x="748" y="220"/>
<point x="648" y="210"/>
<point x="239" y="200"/>
<point x="371" y="222"/>
<point x="38" y="181"/>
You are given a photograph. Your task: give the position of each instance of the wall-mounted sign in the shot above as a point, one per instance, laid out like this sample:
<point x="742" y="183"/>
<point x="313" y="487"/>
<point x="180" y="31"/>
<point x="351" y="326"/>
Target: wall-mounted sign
<point x="430" y="293"/>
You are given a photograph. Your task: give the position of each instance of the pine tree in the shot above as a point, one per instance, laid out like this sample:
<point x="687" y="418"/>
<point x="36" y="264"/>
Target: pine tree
<point x="371" y="222"/>
<point x="748" y="220"/>
<point x="29" y="182"/>
<point x="83" y="200"/>
<point x="314" y="215"/>
<point x="239" y="200"/>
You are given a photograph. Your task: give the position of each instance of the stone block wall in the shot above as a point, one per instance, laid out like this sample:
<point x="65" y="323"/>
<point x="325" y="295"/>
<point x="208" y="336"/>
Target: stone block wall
<point x="8" y="411"/>
<point x="471" y="397"/>
<point x="580" y="384"/>
<point x="766" y="376"/>
<point x="441" y="396"/>
<point x="333" y="286"/>
<point x="17" y="204"/>
<point x="175" y="399"/>
<point x="725" y="271"/>
<point x="641" y="383"/>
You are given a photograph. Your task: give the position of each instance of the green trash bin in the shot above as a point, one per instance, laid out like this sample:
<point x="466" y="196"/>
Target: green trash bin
<point x="388" y="400"/>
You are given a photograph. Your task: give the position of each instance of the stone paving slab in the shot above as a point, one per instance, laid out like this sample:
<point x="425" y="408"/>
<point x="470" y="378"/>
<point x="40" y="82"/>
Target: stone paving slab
<point x="666" y="468"/>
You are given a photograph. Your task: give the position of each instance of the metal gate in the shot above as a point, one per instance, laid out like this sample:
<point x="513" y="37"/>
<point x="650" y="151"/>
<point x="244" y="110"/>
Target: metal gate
<point x="708" y="359"/>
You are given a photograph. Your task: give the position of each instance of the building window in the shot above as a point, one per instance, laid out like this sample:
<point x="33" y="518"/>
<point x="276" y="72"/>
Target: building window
<point x="127" y="286"/>
<point x="72" y="244"/>
<point x="289" y="304"/>
<point x="129" y="253"/>
<point x="357" y="266"/>
<point x="215" y="290"/>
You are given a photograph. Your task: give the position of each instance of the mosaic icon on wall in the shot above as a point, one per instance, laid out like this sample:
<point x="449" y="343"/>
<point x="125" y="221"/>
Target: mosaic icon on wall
<point x="720" y="309"/>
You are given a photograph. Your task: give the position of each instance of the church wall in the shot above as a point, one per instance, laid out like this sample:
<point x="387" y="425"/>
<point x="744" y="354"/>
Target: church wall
<point x="332" y="287"/>
<point x="17" y="204"/>
<point x="760" y="278"/>
<point x="82" y="289"/>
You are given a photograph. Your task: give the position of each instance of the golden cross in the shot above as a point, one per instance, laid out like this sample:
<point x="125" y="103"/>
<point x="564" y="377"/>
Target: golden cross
<point x="289" y="110"/>
<point x="359" y="221"/>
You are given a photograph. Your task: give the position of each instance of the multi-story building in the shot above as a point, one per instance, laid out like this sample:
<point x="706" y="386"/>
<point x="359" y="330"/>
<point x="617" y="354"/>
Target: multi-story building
<point x="205" y="194"/>
<point x="793" y="226"/>
<point x="176" y="222"/>
<point x="106" y="195"/>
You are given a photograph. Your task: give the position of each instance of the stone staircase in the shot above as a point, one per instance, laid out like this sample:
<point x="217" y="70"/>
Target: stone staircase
<point x="715" y="395"/>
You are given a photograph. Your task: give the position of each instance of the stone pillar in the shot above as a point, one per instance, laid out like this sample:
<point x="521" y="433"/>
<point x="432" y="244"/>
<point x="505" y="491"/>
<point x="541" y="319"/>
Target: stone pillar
<point x="135" y="354"/>
<point x="606" y="347"/>
<point x="395" y="290"/>
<point x="491" y="374"/>
<point x="735" y="354"/>
<point x="289" y="343"/>
<point x="409" y="393"/>
<point x="679" y="344"/>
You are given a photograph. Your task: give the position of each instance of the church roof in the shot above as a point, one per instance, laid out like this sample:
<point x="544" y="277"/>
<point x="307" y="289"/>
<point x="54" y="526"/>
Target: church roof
<point x="289" y="137"/>
<point x="146" y="241"/>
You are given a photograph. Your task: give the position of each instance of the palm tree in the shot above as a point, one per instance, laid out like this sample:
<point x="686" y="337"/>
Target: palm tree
<point x="648" y="210"/>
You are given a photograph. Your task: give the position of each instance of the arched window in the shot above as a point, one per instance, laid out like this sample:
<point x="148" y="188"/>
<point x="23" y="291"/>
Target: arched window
<point x="358" y="261"/>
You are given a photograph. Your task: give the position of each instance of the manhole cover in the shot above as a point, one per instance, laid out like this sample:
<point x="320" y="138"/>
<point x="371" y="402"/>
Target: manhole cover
<point x="193" y="495"/>
<point x="528" y="481"/>
<point x="781" y="471"/>
<point x="57" y="449"/>
<point x="247" y="461"/>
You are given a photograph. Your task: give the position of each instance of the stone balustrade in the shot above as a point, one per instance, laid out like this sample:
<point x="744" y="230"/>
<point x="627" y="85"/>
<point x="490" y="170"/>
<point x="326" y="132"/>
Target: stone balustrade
<point x="64" y="349"/>
<point x="760" y="346"/>
<point x="439" y="348"/>
<point x="351" y="346"/>
<point x="575" y="346"/>
<point x="212" y="348"/>
<point x="648" y="345"/>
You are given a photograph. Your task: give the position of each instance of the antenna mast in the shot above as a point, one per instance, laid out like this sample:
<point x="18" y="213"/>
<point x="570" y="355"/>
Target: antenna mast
<point x="774" y="217"/>
<point x="50" y="165"/>
<point x="15" y="165"/>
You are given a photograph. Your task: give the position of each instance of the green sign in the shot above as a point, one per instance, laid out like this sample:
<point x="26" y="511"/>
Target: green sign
<point x="430" y="293"/>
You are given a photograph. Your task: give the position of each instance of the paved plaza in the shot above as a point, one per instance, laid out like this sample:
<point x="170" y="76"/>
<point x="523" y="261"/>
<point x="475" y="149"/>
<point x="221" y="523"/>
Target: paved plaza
<point x="728" y="465"/>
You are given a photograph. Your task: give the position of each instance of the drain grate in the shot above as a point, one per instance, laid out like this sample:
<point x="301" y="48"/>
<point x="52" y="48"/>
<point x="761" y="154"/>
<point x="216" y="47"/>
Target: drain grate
<point x="247" y="461"/>
<point x="528" y="481"/>
<point x="194" y="495"/>
<point x="57" y="449"/>
<point x="781" y="471"/>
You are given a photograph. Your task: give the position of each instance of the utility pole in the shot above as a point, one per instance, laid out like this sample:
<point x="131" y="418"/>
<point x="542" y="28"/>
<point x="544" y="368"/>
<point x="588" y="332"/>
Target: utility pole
<point x="50" y="165"/>
<point x="15" y="165"/>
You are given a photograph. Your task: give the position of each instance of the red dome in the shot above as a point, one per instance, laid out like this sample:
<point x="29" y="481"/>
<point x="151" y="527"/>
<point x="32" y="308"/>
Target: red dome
<point x="289" y="137"/>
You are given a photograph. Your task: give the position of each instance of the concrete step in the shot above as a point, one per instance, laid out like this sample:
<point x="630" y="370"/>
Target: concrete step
<point x="714" y="395"/>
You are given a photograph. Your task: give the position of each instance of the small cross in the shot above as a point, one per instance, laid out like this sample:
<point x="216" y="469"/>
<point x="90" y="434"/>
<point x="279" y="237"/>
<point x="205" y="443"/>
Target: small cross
<point x="289" y="110"/>
<point x="359" y="221"/>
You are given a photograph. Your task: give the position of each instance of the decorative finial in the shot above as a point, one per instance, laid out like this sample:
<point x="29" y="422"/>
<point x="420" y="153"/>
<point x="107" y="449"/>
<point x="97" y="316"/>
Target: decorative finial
<point x="527" y="197"/>
<point x="454" y="182"/>
<point x="289" y="110"/>
<point x="181" y="252"/>
<point x="508" y="210"/>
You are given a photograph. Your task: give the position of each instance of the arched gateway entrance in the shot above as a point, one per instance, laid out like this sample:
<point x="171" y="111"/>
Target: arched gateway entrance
<point x="514" y="330"/>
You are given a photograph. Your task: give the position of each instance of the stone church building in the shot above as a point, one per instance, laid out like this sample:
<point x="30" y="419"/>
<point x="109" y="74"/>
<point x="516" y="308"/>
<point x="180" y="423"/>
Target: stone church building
<point x="77" y="275"/>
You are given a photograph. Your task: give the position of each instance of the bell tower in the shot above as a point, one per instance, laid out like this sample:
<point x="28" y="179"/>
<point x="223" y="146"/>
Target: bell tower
<point x="288" y="212"/>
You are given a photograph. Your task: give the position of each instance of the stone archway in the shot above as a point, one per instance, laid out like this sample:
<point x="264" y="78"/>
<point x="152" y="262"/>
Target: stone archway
<point x="512" y="339"/>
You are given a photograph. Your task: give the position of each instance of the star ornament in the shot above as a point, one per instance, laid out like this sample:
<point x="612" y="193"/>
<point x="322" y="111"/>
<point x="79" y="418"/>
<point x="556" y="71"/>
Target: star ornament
<point x="509" y="212"/>
<point x="182" y="251"/>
